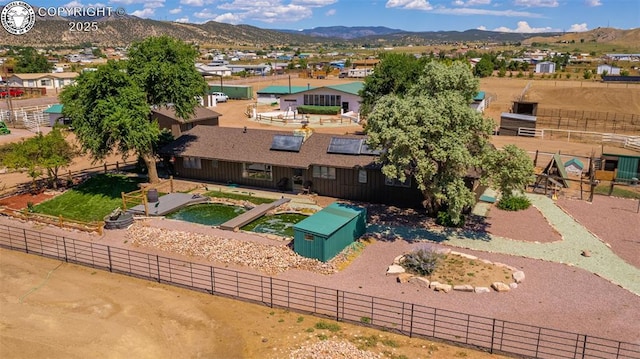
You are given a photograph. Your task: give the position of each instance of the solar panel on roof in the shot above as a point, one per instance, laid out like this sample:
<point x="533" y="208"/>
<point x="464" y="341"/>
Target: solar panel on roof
<point x="365" y="150"/>
<point x="287" y="143"/>
<point x="345" y="146"/>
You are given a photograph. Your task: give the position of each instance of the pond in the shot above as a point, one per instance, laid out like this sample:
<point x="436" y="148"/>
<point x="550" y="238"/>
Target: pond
<point x="215" y="214"/>
<point x="208" y="213"/>
<point x="279" y="224"/>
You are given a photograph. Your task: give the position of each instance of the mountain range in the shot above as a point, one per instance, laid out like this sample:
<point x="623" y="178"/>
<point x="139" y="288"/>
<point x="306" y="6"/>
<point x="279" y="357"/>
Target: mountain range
<point x="121" y="31"/>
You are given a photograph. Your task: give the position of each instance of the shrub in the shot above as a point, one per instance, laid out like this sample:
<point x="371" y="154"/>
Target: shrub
<point x="332" y="327"/>
<point x="422" y="261"/>
<point x="319" y="110"/>
<point x="514" y="203"/>
<point x="444" y="219"/>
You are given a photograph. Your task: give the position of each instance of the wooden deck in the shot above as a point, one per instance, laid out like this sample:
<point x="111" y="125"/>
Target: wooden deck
<point x="169" y="203"/>
<point x="250" y="216"/>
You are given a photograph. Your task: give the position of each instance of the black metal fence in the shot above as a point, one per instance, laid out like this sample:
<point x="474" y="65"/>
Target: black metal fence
<point x="492" y="335"/>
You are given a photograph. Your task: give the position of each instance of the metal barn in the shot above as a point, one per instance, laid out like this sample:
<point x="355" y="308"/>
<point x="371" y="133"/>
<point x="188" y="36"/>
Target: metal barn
<point x="329" y="231"/>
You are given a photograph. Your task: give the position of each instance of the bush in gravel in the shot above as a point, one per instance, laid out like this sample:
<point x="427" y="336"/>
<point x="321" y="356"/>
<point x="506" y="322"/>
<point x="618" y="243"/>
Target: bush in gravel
<point x="329" y="326"/>
<point x="421" y="261"/>
<point x="514" y="203"/>
<point x="444" y="219"/>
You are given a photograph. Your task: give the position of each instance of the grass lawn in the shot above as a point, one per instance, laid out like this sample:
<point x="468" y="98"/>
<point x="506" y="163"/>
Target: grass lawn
<point x="617" y="192"/>
<point x="92" y="200"/>
<point x="239" y="197"/>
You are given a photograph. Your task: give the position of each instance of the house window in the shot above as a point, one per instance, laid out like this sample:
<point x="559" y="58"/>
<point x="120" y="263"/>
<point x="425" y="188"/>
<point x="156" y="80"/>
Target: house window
<point x="192" y="162"/>
<point x="45" y="82"/>
<point x="324" y="172"/>
<point x="362" y="176"/>
<point x="396" y="182"/>
<point x="322" y="100"/>
<point x="308" y="237"/>
<point x="257" y="171"/>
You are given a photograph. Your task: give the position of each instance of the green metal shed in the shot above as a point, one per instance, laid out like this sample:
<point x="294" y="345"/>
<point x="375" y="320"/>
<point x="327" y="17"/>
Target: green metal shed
<point x="241" y="92"/>
<point x="628" y="166"/>
<point x="329" y="231"/>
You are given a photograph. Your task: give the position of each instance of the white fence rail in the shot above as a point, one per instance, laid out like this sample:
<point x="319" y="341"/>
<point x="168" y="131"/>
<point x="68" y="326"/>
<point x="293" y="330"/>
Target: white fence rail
<point x="626" y="141"/>
<point x="530" y="132"/>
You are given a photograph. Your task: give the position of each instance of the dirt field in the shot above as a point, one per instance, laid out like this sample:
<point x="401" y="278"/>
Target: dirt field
<point x="52" y="309"/>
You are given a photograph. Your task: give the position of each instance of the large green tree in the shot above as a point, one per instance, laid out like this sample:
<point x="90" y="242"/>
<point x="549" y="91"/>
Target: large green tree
<point x="110" y="107"/>
<point x="395" y="73"/>
<point x="31" y="61"/>
<point x="431" y="134"/>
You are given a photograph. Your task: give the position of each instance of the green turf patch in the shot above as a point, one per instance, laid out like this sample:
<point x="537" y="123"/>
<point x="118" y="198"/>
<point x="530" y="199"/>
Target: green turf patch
<point x="617" y="192"/>
<point x="92" y="200"/>
<point x="239" y="197"/>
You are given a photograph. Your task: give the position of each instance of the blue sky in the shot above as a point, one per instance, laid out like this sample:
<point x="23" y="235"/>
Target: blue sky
<point x="412" y="15"/>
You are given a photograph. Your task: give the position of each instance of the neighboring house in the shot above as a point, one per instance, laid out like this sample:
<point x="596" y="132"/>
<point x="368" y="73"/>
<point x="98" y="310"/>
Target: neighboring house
<point x="49" y="81"/>
<point x="359" y="73"/>
<point x="213" y="70"/>
<point x="272" y="94"/>
<point x="166" y="117"/>
<point x="611" y="70"/>
<point x="545" y="67"/>
<point x="281" y="160"/>
<point x="55" y="114"/>
<point x="345" y="95"/>
<point x="262" y="69"/>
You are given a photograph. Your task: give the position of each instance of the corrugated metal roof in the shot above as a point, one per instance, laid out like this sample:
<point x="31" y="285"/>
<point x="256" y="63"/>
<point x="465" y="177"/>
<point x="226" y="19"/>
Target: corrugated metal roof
<point x="283" y="90"/>
<point x="327" y="221"/>
<point x="352" y="88"/>
<point x="518" y="116"/>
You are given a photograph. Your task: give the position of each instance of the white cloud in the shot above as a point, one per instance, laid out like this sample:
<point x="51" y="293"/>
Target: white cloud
<point x="196" y="3"/>
<point x="176" y="10"/>
<point x="330" y="12"/>
<point x="314" y="3"/>
<point x="129" y="2"/>
<point x="593" y="3"/>
<point x="205" y="14"/>
<point x="523" y="27"/>
<point x="182" y="19"/>
<point x="483" y="28"/>
<point x="537" y="3"/>
<point x="144" y="13"/>
<point x="154" y="4"/>
<point x="471" y="2"/>
<point x="579" y="27"/>
<point x="229" y="18"/>
<point x="409" y="4"/>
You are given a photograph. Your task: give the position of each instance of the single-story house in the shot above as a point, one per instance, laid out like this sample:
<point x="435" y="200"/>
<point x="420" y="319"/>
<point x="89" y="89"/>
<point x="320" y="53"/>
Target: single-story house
<point x="261" y="69"/>
<point x="345" y="95"/>
<point x="166" y="117"/>
<point x="49" y="81"/>
<point x="330" y="165"/>
<point x="213" y="70"/>
<point x="272" y="94"/>
<point x="546" y="67"/>
<point x="611" y="70"/>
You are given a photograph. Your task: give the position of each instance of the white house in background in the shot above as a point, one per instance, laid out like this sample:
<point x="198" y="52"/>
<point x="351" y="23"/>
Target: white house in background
<point x="50" y="81"/>
<point x="213" y="70"/>
<point x="611" y="70"/>
<point x="345" y="96"/>
<point x="359" y="73"/>
<point x="545" y="67"/>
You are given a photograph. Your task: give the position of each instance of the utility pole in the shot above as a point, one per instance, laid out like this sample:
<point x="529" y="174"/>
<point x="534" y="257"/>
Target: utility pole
<point x="8" y="97"/>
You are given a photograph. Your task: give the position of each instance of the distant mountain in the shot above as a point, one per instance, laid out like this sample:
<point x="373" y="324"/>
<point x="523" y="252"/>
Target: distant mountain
<point x="344" y="32"/>
<point x="599" y="35"/>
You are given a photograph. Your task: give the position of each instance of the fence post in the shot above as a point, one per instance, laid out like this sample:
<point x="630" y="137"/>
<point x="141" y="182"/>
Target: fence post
<point x="158" y="266"/>
<point x="24" y="235"/>
<point x="213" y="280"/>
<point x="64" y="245"/>
<point x="411" y="323"/>
<point x="105" y="167"/>
<point x="538" y="341"/>
<point x="109" y="256"/>
<point x="271" y="292"/>
<point x="493" y="334"/>
<point x="584" y="346"/>
<point x="117" y="166"/>
<point x="337" y="305"/>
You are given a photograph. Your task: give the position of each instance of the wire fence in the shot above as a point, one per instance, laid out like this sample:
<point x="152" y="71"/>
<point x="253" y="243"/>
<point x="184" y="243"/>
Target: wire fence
<point x="492" y="335"/>
<point x="581" y="120"/>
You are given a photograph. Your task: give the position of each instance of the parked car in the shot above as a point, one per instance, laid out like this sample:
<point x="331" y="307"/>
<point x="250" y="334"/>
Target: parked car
<point x="12" y="92"/>
<point x="220" y="97"/>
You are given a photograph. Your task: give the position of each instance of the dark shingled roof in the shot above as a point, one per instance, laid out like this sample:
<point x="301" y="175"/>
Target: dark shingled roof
<point x="232" y="144"/>
<point x="200" y="113"/>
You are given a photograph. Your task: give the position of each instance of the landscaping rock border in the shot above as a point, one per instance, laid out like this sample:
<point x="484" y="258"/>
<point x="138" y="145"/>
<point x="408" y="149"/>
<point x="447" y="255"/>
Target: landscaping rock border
<point x="402" y="276"/>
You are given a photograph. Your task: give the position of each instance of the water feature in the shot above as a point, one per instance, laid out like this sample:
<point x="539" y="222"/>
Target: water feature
<point x="211" y="214"/>
<point x="208" y="213"/>
<point x="278" y="224"/>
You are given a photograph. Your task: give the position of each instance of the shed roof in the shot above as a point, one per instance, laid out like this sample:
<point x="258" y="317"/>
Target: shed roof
<point x="574" y="161"/>
<point x="330" y="219"/>
<point x="479" y="96"/>
<point x="57" y="108"/>
<point x="200" y="114"/>
<point x="518" y="116"/>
